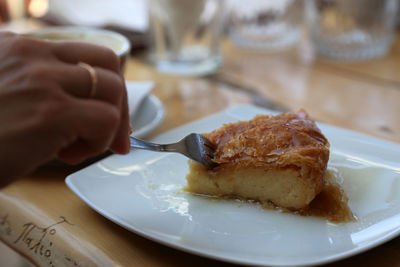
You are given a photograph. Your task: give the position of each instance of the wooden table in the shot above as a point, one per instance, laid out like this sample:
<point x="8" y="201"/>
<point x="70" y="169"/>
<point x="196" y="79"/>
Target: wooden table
<point x="43" y="220"/>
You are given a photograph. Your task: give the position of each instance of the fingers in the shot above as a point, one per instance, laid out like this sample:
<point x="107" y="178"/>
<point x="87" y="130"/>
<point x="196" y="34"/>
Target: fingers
<point x="67" y="122"/>
<point x="94" y="55"/>
<point x="110" y="88"/>
<point x="93" y="130"/>
<point x="77" y="81"/>
<point x="121" y="143"/>
<point x="57" y="124"/>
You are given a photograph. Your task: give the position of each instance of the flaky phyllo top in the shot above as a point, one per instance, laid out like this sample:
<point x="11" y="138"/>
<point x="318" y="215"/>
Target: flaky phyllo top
<point x="286" y="140"/>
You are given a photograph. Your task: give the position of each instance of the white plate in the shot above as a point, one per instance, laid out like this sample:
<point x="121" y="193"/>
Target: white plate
<point x="149" y="115"/>
<point x="143" y="192"/>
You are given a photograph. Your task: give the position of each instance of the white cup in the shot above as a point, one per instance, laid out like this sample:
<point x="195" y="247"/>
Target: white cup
<point x="115" y="41"/>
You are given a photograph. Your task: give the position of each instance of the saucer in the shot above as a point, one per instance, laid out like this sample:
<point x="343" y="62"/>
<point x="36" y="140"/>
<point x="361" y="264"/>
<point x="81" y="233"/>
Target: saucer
<point x="148" y="117"/>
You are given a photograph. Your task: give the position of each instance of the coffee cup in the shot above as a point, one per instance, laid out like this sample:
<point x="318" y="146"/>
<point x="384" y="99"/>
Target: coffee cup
<point x="113" y="40"/>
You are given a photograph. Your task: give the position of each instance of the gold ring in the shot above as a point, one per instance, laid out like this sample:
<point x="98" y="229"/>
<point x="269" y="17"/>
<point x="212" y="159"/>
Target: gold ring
<point x="93" y="77"/>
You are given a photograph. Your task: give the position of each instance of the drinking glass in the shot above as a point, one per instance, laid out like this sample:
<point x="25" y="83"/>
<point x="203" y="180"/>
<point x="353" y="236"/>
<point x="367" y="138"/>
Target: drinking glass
<point x="352" y="30"/>
<point x="265" y="24"/>
<point x="186" y="35"/>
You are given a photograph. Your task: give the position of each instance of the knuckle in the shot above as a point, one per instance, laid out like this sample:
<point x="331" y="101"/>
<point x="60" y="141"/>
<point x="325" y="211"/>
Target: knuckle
<point x="115" y="87"/>
<point x="16" y="45"/>
<point x="39" y="72"/>
<point x="115" y="118"/>
<point x="119" y="88"/>
<point x="118" y="84"/>
<point x="111" y="120"/>
<point x="111" y="58"/>
<point x="35" y="73"/>
<point x="109" y="124"/>
<point x="52" y="104"/>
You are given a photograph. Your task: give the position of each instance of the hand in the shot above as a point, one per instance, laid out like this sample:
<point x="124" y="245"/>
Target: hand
<point x="45" y="111"/>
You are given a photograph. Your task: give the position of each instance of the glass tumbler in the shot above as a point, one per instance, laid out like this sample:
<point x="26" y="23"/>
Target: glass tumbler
<point x="352" y="29"/>
<point x="186" y="35"/>
<point x="265" y="24"/>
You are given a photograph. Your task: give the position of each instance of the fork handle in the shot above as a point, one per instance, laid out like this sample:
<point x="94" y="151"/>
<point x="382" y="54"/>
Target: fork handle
<point x="140" y="144"/>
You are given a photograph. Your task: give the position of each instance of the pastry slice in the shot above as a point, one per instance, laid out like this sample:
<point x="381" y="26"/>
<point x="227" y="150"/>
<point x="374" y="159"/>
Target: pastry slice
<point x="272" y="159"/>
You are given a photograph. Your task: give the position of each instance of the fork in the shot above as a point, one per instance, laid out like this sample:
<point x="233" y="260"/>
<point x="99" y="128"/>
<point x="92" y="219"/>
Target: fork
<point x="194" y="146"/>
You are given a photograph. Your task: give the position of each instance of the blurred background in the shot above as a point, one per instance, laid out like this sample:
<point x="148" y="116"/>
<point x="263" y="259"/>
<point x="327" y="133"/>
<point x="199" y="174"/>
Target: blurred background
<point x="263" y="25"/>
<point x="335" y="30"/>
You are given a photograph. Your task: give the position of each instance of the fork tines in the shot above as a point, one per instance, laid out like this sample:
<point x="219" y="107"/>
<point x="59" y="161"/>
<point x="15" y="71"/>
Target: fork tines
<point x="208" y="150"/>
